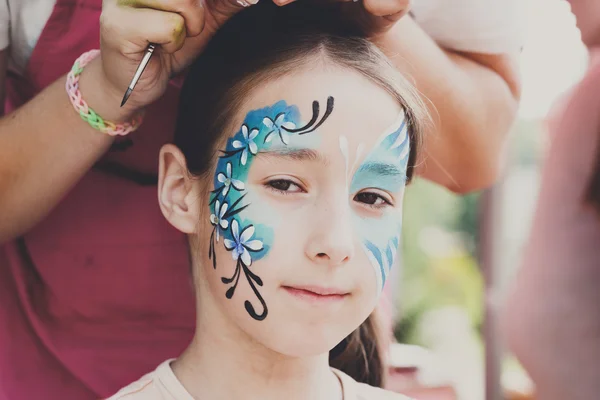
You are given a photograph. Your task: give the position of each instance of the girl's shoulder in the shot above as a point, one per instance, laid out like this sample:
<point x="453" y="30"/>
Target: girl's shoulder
<point x="366" y="392"/>
<point x="160" y="384"/>
<point x="163" y="385"/>
<point x="143" y="389"/>
<point x="354" y="390"/>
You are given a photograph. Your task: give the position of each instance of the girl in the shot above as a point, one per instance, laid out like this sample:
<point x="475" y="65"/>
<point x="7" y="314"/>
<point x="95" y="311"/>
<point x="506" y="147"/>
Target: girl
<point x="291" y="155"/>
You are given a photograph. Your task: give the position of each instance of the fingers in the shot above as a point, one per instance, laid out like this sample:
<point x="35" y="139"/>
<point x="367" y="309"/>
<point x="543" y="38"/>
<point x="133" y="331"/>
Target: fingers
<point x="387" y="8"/>
<point x="246" y="3"/>
<point x="191" y="11"/>
<point x="283" y="2"/>
<point x="165" y="28"/>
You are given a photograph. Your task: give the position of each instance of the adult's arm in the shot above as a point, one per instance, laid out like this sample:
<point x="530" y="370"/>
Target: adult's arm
<point x="473" y="99"/>
<point x="551" y="319"/>
<point x="45" y="147"/>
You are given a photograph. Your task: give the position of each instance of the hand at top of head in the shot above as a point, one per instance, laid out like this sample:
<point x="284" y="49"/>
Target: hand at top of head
<point x="181" y="28"/>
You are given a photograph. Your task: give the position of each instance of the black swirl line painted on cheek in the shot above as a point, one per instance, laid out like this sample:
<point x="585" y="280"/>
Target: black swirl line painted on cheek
<point x="252" y="279"/>
<point x="212" y="255"/>
<point x="249" y="307"/>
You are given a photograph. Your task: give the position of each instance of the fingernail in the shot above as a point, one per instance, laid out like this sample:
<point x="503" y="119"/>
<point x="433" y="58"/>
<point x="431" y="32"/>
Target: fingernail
<point x="247" y="3"/>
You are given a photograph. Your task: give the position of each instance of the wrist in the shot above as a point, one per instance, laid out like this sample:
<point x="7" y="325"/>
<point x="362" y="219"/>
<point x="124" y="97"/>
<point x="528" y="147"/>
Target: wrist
<point x="391" y="32"/>
<point x="101" y="96"/>
<point x="399" y="39"/>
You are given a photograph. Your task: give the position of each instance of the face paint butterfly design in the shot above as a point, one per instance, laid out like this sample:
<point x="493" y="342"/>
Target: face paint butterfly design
<point x="245" y="241"/>
<point x="387" y="165"/>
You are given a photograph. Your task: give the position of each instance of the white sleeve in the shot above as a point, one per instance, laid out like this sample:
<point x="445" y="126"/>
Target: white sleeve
<point x="4" y="25"/>
<point x="479" y="26"/>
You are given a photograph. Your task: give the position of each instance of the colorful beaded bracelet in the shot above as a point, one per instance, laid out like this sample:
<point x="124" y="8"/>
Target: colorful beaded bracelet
<point x="86" y="113"/>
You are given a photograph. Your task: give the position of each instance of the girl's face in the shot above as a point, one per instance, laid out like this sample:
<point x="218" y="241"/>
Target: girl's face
<point x="303" y="222"/>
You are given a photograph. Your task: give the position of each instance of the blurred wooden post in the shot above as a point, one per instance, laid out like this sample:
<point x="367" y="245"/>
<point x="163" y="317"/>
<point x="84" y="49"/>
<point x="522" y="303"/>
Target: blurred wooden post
<point x="490" y="229"/>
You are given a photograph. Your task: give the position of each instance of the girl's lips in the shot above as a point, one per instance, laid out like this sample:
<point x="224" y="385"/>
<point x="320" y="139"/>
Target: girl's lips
<point x="316" y="294"/>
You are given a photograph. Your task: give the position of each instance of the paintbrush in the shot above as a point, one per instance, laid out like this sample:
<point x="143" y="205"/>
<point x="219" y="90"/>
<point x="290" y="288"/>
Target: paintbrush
<point x="138" y="73"/>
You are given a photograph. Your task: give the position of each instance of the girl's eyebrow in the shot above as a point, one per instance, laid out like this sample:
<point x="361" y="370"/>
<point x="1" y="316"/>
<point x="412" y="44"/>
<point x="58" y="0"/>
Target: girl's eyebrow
<point x="380" y="168"/>
<point x="296" y="155"/>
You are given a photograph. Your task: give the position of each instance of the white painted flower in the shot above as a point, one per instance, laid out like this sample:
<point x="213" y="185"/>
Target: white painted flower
<point x="247" y="143"/>
<point x="242" y="245"/>
<point x="278" y="126"/>
<point x="217" y="218"/>
<point x="228" y="181"/>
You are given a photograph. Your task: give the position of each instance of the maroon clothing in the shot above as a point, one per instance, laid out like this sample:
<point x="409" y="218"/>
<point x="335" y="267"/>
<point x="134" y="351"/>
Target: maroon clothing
<point x="99" y="292"/>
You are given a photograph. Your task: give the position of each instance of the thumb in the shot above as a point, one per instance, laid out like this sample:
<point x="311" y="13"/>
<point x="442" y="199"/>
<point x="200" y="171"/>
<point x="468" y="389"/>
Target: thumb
<point x="391" y="10"/>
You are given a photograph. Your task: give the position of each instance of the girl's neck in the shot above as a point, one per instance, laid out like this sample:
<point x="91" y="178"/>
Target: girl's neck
<point x="225" y="365"/>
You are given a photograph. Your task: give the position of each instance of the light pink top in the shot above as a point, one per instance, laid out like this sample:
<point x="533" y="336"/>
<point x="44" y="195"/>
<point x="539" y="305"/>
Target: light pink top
<point x="162" y="384"/>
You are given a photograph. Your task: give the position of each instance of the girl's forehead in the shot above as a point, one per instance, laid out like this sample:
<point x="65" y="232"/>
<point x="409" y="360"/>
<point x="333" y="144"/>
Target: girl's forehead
<point x="361" y="106"/>
<point x="336" y="139"/>
<point x="338" y="146"/>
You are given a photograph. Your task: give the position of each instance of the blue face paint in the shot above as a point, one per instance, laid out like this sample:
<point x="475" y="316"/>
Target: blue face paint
<point x="269" y="128"/>
<point x="384" y="168"/>
<point x="389" y="177"/>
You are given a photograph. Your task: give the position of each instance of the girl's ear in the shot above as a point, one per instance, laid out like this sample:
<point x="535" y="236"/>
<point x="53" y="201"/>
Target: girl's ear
<point x="178" y="191"/>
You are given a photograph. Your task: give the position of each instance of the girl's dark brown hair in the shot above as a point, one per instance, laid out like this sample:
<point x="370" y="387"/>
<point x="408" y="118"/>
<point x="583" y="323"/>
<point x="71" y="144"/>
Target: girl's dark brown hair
<point x="361" y="354"/>
<point x="258" y="46"/>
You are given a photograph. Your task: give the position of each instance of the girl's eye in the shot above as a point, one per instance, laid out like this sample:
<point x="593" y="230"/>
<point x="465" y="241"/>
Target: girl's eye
<point x="373" y="200"/>
<point x="284" y="186"/>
